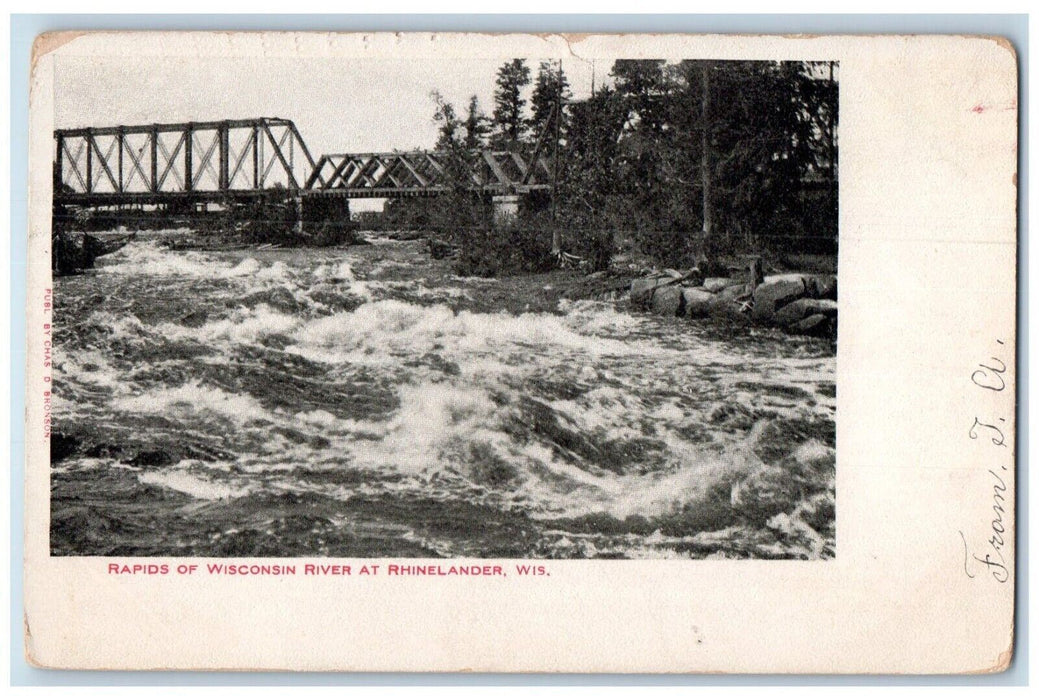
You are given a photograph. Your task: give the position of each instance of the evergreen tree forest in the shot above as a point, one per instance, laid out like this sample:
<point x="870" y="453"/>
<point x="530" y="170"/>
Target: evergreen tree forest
<point x="676" y="159"/>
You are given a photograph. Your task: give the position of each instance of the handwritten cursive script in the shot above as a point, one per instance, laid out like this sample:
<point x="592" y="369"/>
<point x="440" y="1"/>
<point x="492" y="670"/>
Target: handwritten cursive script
<point x="989" y="375"/>
<point x="996" y="542"/>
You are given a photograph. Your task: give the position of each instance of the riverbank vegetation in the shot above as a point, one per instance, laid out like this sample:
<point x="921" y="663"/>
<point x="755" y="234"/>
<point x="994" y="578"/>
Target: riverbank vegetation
<point x="678" y="161"/>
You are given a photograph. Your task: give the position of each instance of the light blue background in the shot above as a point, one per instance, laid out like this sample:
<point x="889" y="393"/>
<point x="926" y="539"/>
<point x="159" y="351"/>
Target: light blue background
<point x="24" y="28"/>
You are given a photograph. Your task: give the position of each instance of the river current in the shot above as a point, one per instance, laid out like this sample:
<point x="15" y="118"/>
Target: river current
<point x="364" y="402"/>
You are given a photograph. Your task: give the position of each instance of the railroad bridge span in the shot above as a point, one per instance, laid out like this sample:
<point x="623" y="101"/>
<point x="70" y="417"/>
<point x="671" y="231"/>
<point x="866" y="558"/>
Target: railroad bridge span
<point x="187" y="164"/>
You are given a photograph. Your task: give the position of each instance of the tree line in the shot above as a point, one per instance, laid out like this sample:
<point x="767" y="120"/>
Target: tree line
<point x="679" y="159"/>
<point x="509" y="126"/>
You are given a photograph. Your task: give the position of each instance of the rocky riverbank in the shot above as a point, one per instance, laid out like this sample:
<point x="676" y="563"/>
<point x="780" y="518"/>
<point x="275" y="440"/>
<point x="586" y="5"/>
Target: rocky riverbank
<point x="799" y="303"/>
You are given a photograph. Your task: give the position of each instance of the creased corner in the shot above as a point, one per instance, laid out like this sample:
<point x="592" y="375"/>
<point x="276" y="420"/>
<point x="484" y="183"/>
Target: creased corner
<point x="1003" y="661"/>
<point x="48" y="42"/>
<point x="29" y="644"/>
<point x="1005" y="44"/>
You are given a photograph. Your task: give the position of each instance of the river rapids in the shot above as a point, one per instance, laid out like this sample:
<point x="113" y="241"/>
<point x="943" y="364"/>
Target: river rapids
<point x="364" y="402"/>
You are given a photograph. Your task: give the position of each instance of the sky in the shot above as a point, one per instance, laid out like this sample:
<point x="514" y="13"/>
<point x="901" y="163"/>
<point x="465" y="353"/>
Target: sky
<point x="338" y="105"/>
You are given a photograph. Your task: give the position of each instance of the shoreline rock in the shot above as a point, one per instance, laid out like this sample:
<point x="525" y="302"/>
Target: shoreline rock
<point x="800" y="309"/>
<point x="800" y="304"/>
<point x="776" y="292"/>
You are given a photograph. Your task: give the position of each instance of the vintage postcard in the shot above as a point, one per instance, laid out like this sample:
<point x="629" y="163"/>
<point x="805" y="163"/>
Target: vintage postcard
<point x="444" y="352"/>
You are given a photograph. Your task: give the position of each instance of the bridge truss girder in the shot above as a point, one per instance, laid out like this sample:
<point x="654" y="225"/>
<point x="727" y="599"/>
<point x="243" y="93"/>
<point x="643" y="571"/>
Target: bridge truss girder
<point x="133" y="162"/>
<point x="426" y="172"/>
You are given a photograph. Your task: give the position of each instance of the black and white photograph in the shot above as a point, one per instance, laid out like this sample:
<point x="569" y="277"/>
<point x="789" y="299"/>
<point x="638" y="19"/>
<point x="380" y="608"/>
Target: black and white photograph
<point x="531" y="308"/>
<point x="478" y="350"/>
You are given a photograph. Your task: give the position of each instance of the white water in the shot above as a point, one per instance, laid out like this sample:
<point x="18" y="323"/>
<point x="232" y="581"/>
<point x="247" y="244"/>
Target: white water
<point x="589" y="410"/>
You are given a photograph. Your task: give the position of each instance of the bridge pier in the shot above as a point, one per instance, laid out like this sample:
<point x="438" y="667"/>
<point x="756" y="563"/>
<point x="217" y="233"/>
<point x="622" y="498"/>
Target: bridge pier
<point x="327" y="218"/>
<point x="320" y="210"/>
<point x="506" y="207"/>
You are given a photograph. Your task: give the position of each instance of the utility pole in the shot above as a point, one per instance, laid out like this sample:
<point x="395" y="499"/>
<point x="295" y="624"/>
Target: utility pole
<point x="557" y="237"/>
<point x="705" y="159"/>
<point x="831" y="148"/>
<point x="832" y="136"/>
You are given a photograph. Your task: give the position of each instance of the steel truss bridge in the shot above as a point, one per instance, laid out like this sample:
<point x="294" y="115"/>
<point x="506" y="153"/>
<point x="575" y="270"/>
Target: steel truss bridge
<point x="239" y="159"/>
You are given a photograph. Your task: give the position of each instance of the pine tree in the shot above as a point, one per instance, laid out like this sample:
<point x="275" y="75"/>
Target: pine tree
<point x="447" y="120"/>
<point x="763" y="137"/>
<point x="476" y="126"/>
<point x="643" y="84"/>
<point x="509" y="124"/>
<point x="550" y="87"/>
<point x="456" y="209"/>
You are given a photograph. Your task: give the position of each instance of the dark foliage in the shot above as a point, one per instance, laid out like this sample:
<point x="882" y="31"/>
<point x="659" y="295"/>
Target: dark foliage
<point x="477" y="126"/>
<point x="635" y="158"/>
<point x="551" y="88"/>
<point x="510" y="125"/>
<point x="686" y="162"/>
<point x="506" y="248"/>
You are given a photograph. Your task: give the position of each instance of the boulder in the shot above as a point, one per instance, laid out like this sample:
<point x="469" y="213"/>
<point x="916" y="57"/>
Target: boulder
<point x="72" y="251"/>
<point x="697" y="302"/>
<point x="667" y="301"/>
<point x="822" y="286"/>
<point x="716" y="284"/>
<point x="734" y="291"/>
<point x="728" y="307"/>
<point x="785" y="277"/>
<point x="816" y="324"/>
<point x="692" y="278"/>
<point x="775" y="292"/>
<point x="801" y="309"/>
<point x="643" y="287"/>
<point x="731" y="303"/>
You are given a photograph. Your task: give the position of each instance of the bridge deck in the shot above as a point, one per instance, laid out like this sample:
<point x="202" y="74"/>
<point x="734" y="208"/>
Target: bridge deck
<point x="148" y="198"/>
